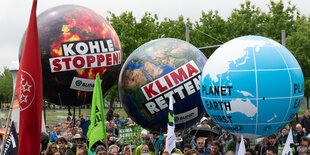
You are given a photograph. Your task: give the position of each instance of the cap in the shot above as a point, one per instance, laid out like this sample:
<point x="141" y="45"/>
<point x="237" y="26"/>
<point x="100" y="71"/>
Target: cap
<point x="109" y="130"/>
<point x="77" y="136"/>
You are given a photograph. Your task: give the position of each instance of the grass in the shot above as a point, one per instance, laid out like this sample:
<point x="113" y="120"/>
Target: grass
<point x="60" y="115"/>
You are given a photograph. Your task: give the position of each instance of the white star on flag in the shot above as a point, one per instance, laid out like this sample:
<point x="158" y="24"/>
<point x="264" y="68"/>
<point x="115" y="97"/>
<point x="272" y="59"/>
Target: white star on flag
<point x="26" y="87"/>
<point x="23" y="98"/>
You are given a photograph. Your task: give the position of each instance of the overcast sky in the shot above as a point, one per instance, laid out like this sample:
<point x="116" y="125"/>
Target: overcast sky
<point x="14" y="14"/>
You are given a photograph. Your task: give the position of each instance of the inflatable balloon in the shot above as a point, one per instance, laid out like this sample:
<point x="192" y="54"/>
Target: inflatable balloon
<point x="154" y="72"/>
<point x="252" y="86"/>
<point x="76" y="43"/>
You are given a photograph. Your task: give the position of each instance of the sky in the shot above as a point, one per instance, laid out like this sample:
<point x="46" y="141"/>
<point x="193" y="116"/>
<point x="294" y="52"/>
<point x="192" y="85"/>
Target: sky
<point x="14" y="15"/>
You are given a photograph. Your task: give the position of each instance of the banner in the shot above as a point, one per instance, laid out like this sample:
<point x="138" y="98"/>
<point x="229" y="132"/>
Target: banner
<point x="129" y="135"/>
<point x="29" y="90"/>
<point x="11" y="145"/>
<point x="171" y="138"/>
<point x="287" y="148"/>
<point x="96" y="129"/>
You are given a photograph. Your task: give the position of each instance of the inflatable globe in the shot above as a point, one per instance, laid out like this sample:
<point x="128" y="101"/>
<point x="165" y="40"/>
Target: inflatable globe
<point x="154" y="72"/>
<point x="76" y="43"/>
<point x="252" y="86"/>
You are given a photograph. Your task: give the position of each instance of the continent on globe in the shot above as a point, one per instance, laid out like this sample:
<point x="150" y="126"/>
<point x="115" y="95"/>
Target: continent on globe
<point x="252" y="86"/>
<point x="155" y="71"/>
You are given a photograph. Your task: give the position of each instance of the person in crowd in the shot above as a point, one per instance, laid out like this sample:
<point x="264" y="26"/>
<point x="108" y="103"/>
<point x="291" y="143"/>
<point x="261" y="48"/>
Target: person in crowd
<point x="298" y="134"/>
<point x="271" y="142"/>
<point x="209" y="140"/>
<point x="110" y="138"/>
<point x="81" y="150"/>
<point x="272" y="150"/>
<point x="69" y="121"/>
<point x="47" y="130"/>
<point x="113" y="149"/>
<point x="224" y="139"/>
<point x="234" y="144"/>
<point x="204" y="122"/>
<point x="146" y="141"/>
<point x="157" y="140"/>
<point x="250" y="152"/>
<point x="191" y="152"/>
<point x="63" y="146"/>
<point x="215" y="148"/>
<point x="305" y="142"/>
<point x="118" y="122"/>
<point x="100" y="150"/>
<point x="51" y="149"/>
<point x="78" y="142"/>
<point x="304" y="151"/>
<point x="130" y="150"/>
<point x="259" y="147"/>
<point x="305" y="121"/>
<point x="114" y="128"/>
<point x="186" y="147"/>
<point x="282" y="137"/>
<point x="144" y="150"/>
<point x="230" y="152"/>
<point x="109" y="115"/>
<point x="44" y="141"/>
<point x="56" y="135"/>
<point x="201" y="146"/>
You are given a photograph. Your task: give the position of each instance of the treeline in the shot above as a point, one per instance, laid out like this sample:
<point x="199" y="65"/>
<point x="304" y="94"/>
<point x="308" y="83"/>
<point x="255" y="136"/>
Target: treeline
<point x="212" y="29"/>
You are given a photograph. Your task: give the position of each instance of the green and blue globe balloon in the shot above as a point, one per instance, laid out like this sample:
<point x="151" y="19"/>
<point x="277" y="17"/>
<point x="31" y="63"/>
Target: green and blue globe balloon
<point x="252" y="86"/>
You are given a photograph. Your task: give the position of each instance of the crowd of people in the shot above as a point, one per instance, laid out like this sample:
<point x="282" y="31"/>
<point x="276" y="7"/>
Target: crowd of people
<point x="69" y="138"/>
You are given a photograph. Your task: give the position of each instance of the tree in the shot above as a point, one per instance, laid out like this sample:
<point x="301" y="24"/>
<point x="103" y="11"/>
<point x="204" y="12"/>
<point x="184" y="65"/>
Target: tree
<point x="6" y="86"/>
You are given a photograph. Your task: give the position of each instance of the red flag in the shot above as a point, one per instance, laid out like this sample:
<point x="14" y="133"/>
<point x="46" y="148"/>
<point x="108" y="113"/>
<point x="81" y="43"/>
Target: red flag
<point x="29" y="90"/>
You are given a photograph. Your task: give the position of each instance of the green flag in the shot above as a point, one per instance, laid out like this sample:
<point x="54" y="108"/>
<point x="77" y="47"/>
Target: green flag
<point x="96" y="129"/>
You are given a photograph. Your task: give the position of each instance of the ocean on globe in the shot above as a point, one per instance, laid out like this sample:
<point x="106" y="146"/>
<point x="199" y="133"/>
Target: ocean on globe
<point x="76" y="43"/>
<point x="155" y="71"/>
<point x="252" y="86"/>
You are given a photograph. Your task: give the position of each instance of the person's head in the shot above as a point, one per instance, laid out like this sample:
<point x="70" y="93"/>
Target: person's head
<point x="68" y="118"/>
<point x="130" y="150"/>
<point x="61" y="142"/>
<point x="100" y="150"/>
<point x="192" y="152"/>
<point x="298" y="127"/>
<point x="112" y="124"/>
<point x="107" y="124"/>
<point x="272" y="139"/>
<point x="144" y="149"/>
<point x="47" y="128"/>
<point x="211" y="136"/>
<point x="186" y="147"/>
<point x="203" y="121"/>
<point x="109" y="132"/>
<point x="113" y="149"/>
<point x="307" y="113"/>
<point x="272" y="150"/>
<point x="77" y="122"/>
<point x="117" y="116"/>
<point x="58" y="130"/>
<point x="146" y="139"/>
<point x="284" y="131"/>
<point x="215" y="147"/>
<point x="77" y="138"/>
<point x="52" y="148"/>
<point x="200" y="142"/>
<point x="305" y="142"/>
<point x="230" y="152"/>
<point x="250" y="152"/>
<point x="80" y="131"/>
<point x="304" y="151"/>
<point x="69" y="135"/>
<point x="165" y="152"/>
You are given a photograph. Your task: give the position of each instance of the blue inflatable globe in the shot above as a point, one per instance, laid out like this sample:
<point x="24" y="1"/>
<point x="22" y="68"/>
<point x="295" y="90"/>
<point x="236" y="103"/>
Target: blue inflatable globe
<point x="154" y="72"/>
<point x="252" y="86"/>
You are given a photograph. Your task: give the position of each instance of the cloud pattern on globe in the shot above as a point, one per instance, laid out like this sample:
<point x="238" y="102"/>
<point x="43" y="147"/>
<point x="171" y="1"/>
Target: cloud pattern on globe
<point x="252" y="86"/>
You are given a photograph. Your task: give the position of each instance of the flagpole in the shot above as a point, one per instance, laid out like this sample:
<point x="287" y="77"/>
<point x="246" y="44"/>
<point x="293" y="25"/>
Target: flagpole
<point x="7" y="122"/>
